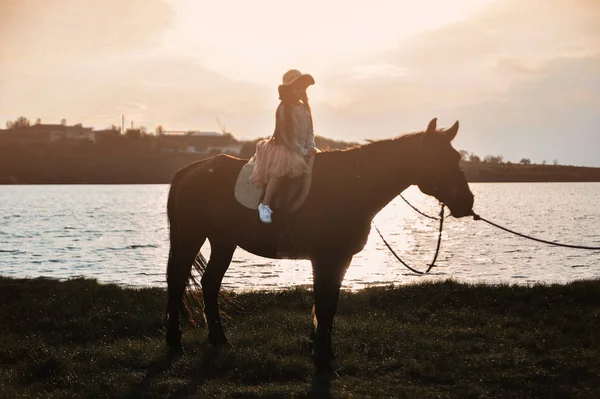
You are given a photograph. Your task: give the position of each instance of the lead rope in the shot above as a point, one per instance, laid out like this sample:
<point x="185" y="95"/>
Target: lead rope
<point x="558" y="244"/>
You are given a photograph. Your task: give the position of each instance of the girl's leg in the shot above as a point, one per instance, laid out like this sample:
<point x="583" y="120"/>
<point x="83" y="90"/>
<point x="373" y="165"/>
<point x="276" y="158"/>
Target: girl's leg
<point x="272" y="186"/>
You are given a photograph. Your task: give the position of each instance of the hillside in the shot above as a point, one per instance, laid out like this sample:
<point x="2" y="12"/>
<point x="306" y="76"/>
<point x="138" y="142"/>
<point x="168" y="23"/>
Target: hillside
<point x="152" y="161"/>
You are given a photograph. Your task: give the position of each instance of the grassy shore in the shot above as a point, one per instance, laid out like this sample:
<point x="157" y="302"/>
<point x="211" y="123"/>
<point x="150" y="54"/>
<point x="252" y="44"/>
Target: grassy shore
<point x="83" y="339"/>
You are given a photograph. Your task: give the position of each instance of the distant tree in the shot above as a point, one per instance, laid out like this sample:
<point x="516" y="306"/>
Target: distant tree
<point x="159" y="130"/>
<point x="493" y="159"/>
<point x="38" y="121"/>
<point x="21" y="121"/>
<point x="544" y="162"/>
<point x="555" y="162"/>
<point x="115" y="128"/>
<point x="63" y="122"/>
<point x="464" y="155"/>
<point x="525" y="161"/>
<point x="142" y="130"/>
<point x="474" y="158"/>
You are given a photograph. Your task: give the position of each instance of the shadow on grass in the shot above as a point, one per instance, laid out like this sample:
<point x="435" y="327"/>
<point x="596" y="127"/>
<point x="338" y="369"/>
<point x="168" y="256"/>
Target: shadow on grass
<point x="202" y="371"/>
<point x="206" y="364"/>
<point x="155" y="370"/>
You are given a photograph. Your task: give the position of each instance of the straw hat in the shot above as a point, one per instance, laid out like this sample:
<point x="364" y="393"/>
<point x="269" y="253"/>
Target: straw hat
<point x="293" y="75"/>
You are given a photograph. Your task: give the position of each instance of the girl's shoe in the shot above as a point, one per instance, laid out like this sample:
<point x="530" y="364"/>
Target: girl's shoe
<point x="264" y="213"/>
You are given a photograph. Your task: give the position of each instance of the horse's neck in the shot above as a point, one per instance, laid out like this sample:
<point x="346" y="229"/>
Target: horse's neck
<point x="386" y="169"/>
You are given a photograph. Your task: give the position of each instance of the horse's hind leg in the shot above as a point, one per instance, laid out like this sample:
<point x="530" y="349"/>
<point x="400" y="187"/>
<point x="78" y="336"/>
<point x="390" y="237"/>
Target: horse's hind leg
<point x="181" y="259"/>
<point x="221" y="253"/>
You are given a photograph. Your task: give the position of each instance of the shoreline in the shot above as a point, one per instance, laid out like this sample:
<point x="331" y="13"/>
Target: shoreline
<point x="308" y="286"/>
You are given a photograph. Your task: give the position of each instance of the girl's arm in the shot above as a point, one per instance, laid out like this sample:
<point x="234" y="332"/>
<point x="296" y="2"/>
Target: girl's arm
<point x="310" y="137"/>
<point x="289" y="138"/>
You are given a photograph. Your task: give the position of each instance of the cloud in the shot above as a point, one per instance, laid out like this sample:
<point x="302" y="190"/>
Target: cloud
<point x="56" y="31"/>
<point x="177" y="92"/>
<point x="477" y="59"/>
<point x="523" y="77"/>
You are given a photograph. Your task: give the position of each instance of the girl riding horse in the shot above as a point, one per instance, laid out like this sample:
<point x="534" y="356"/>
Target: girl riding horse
<point x="287" y="152"/>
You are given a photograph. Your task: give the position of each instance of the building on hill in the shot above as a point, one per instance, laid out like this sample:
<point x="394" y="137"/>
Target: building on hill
<point x="76" y="132"/>
<point x="47" y="133"/>
<point x="201" y="142"/>
<point x="233" y="149"/>
<point x="104" y="133"/>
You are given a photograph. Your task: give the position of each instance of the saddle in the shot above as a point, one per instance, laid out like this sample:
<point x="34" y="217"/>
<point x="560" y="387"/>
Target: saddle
<point x="289" y="197"/>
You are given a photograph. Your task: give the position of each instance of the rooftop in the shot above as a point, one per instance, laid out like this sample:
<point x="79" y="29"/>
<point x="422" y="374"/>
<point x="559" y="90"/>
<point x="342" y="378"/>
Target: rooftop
<point x="193" y="133"/>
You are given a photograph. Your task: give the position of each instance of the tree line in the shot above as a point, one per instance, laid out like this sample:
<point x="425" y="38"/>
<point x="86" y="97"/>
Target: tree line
<point x="141" y="134"/>
<point x="466" y="156"/>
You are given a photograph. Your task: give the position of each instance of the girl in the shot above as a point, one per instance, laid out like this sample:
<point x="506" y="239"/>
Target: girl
<point x="287" y="152"/>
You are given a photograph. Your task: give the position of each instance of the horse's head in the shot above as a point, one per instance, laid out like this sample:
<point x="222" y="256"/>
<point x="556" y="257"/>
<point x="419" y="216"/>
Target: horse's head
<point x="439" y="172"/>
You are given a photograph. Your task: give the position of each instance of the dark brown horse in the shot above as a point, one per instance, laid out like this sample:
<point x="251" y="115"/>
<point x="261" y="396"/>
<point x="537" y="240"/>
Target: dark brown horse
<point x="349" y="188"/>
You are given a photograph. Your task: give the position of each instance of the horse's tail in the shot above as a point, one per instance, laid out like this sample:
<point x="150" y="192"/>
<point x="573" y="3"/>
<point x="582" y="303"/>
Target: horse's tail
<point x="171" y="203"/>
<point x="174" y="237"/>
<point x="171" y="217"/>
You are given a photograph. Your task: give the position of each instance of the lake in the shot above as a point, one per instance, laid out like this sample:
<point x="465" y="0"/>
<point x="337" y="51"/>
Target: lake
<point x="119" y="234"/>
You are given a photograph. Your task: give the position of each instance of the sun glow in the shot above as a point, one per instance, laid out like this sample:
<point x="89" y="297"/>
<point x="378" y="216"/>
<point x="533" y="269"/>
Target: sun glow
<point x="256" y="41"/>
<point x="508" y="69"/>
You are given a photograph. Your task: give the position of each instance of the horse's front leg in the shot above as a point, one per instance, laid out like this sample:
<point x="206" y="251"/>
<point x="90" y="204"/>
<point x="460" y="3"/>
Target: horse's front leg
<point x="220" y="258"/>
<point x="328" y="274"/>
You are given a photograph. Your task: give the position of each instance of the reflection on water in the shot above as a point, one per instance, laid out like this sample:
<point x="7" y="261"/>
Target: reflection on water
<point x="118" y="233"/>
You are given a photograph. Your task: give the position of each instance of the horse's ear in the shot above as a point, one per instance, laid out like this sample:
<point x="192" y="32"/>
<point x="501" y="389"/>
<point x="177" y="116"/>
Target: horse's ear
<point x="432" y="127"/>
<point x="451" y="133"/>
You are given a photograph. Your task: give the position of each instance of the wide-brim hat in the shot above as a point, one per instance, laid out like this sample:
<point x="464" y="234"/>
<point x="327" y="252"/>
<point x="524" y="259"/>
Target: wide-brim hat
<point x="294" y="75"/>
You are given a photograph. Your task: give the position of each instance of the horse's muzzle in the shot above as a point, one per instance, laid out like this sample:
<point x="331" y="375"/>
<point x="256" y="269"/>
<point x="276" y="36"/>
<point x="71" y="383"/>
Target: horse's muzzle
<point x="462" y="206"/>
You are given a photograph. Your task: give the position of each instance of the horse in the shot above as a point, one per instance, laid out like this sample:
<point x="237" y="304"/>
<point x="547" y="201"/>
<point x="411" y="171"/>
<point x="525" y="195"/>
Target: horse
<point x="349" y="187"/>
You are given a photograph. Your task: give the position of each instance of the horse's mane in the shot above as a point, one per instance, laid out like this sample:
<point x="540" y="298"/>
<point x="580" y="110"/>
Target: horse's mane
<point x="371" y="143"/>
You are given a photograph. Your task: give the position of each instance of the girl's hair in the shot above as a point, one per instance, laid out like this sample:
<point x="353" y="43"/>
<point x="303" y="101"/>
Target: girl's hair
<point x="285" y="126"/>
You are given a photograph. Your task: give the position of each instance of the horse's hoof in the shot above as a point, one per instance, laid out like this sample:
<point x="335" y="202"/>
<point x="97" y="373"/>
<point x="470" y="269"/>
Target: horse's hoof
<point x="174" y="347"/>
<point x="217" y="348"/>
<point x="217" y="341"/>
<point x="175" y="352"/>
<point x="324" y="366"/>
<point x="217" y="344"/>
<point x="326" y="374"/>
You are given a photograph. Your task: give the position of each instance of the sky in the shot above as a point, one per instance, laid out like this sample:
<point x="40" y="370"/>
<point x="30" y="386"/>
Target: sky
<point x="521" y="76"/>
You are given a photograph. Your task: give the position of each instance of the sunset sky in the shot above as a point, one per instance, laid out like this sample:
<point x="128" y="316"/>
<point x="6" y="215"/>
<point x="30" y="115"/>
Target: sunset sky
<point x="522" y="76"/>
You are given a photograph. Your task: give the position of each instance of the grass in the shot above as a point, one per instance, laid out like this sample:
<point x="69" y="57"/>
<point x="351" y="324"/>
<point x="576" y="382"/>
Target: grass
<point x="79" y="338"/>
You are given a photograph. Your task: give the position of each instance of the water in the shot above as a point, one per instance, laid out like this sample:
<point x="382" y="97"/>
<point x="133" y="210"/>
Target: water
<point x="118" y="233"/>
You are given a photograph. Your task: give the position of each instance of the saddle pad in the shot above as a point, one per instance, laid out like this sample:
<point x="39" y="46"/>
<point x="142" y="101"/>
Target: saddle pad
<point x="249" y="195"/>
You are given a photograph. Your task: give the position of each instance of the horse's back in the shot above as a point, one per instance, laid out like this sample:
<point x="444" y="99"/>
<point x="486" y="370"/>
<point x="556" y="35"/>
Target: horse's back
<point x="219" y="166"/>
<point x="208" y="180"/>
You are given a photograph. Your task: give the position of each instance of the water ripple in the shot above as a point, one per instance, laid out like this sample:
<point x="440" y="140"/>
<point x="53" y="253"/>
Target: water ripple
<point x="120" y="234"/>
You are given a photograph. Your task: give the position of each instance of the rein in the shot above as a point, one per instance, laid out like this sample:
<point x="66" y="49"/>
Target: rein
<point x="440" y="218"/>
<point x="437" y="249"/>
